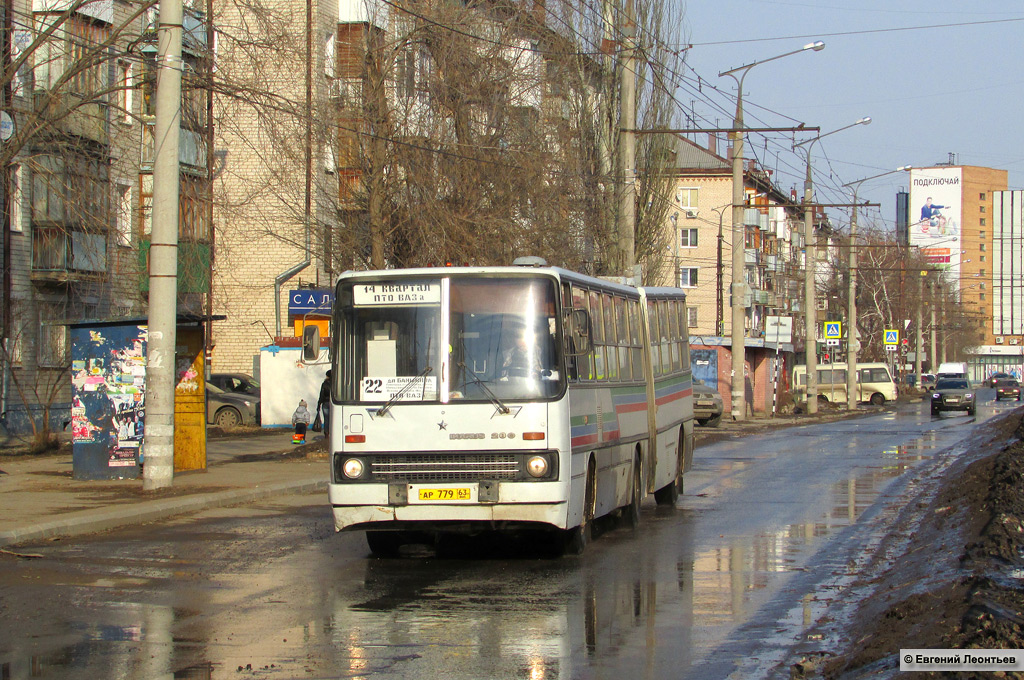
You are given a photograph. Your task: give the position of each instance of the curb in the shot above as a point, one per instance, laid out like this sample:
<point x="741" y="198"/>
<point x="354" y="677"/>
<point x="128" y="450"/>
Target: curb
<point x="92" y="521"/>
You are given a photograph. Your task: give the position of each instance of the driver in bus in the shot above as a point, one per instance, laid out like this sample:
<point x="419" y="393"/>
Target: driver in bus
<point x="523" y="360"/>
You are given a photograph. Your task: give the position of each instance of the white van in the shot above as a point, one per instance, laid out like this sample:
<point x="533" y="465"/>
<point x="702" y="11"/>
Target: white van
<point x="874" y="383"/>
<point x="951" y="369"/>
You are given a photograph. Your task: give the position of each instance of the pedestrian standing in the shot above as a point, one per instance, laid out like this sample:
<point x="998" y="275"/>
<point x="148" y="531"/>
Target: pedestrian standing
<point x="300" y="420"/>
<point x="323" y="405"/>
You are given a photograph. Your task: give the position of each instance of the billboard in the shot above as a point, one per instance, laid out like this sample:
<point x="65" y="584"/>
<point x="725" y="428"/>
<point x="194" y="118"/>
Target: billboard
<point x="936" y="215"/>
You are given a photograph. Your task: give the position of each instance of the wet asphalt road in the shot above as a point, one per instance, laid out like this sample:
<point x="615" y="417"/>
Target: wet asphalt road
<point x="770" y="528"/>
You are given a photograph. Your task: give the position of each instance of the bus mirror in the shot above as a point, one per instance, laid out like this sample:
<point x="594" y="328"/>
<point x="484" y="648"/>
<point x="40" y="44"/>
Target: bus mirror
<point x="578" y="333"/>
<point x="311" y="343"/>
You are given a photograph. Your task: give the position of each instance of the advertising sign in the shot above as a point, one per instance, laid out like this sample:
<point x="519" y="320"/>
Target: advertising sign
<point x="108" y="400"/>
<point x="936" y="216"/>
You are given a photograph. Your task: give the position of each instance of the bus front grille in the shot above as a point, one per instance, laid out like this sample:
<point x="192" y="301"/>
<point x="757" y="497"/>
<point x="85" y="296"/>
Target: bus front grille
<point x="445" y="467"/>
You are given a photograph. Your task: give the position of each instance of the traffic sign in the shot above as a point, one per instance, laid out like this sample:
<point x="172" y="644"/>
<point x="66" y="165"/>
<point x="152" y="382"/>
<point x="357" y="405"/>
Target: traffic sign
<point x="891" y="348"/>
<point x="832" y="342"/>
<point x="892" y="336"/>
<point x="833" y="330"/>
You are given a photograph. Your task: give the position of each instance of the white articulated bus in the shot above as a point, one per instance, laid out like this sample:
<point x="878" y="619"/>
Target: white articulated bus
<point x="475" y="398"/>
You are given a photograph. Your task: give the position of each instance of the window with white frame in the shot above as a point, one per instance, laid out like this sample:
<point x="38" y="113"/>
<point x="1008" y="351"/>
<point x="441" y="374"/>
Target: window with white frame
<point x="688" y="277"/>
<point x="686" y="198"/>
<point x="125" y="92"/>
<point x="687" y="238"/>
<point x="691" y="317"/>
<point x="123" y="200"/>
<point x="17" y="198"/>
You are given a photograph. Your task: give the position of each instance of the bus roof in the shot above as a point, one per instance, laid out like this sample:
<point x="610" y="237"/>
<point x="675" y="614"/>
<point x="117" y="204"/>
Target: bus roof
<point x="556" y="272"/>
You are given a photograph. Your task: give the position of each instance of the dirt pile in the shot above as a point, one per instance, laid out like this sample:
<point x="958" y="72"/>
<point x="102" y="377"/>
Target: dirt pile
<point x="960" y="582"/>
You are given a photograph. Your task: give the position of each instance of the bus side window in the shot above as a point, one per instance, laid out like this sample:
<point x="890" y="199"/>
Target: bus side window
<point x="655" y="337"/>
<point x="635" y="335"/>
<point x="622" y="338"/>
<point x="665" y="324"/>
<point x="684" y="335"/>
<point x="675" y="340"/>
<point x="610" y="351"/>
<point x="589" y="370"/>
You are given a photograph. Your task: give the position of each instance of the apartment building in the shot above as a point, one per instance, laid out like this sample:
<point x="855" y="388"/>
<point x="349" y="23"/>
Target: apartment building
<point x="79" y="196"/>
<point x="700" y="231"/>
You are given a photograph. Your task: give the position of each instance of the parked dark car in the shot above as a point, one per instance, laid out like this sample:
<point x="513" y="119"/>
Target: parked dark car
<point x="996" y="377"/>
<point x="231" y="409"/>
<point x="707" y="405"/>
<point x="953" y="394"/>
<point x="235" y="382"/>
<point x="1007" y="388"/>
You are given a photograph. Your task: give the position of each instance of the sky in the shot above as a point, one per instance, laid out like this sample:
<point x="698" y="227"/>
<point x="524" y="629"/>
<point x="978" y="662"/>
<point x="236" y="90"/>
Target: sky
<point x="936" y="78"/>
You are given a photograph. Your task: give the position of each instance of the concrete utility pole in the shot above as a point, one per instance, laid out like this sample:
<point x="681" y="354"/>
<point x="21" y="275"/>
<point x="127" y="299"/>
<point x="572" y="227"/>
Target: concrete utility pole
<point x="810" y="266"/>
<point x="739" y="311"/>
<point x="627" y="141"/>
<point x="852" y="342"/>
<point x="163" y="256"/>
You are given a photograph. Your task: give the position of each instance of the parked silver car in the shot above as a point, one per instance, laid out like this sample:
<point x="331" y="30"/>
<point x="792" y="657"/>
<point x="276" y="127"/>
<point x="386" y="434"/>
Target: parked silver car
<point x="953" y="394"/>
<point x="707" y="405"/>
<point x="235" y="382"/>
<point x="231" y="409"/>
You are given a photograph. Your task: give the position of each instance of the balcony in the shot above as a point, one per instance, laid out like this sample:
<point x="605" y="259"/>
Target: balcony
<point x="62" y="255"/>
<point x="752" y="217"/>
<point x="751" y="256"/>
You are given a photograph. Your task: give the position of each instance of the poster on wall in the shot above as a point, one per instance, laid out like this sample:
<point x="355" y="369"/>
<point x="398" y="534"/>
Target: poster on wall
<point x="108" y="400"/>
<point x="936" y="216"/>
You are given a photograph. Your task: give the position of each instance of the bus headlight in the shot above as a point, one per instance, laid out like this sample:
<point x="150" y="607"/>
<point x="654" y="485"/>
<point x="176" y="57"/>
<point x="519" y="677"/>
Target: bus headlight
<point x="352" y="468"/>
<point x="537" y="466"/>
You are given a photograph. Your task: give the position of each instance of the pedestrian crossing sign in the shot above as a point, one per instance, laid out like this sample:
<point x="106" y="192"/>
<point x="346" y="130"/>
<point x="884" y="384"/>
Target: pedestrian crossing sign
<point x="833" y="330"/>
<point x="892" y="336"/>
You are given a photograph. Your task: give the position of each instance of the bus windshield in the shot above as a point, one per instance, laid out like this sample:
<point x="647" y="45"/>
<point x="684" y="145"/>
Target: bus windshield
<point x="503" y="339"/>
<point x="500" y="340"/>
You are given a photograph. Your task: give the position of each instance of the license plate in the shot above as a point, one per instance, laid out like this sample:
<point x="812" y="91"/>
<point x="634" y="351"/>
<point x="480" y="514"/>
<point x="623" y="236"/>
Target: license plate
<point x="953" y="400"/>
<point x="442" y="494"/>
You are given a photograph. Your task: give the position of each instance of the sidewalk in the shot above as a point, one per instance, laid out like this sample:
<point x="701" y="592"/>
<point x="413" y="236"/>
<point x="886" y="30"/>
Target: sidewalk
<point x="39" y="498"/>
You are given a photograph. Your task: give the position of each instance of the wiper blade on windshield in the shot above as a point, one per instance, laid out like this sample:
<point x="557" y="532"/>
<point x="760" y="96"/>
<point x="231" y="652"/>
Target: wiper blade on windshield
<point x="400" y="393"/>
<point x="490" y="395"/>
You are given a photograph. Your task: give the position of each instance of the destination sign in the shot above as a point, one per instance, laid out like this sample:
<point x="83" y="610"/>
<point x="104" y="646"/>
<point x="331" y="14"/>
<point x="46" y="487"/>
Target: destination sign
<point x="397" y="293"/>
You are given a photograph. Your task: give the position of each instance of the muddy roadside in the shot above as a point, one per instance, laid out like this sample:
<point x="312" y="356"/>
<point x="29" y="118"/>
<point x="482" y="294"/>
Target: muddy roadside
<point x="956" y="583"/>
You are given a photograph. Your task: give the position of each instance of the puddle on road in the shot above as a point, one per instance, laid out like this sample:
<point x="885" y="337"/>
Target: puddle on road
<point x="652" y="604"/>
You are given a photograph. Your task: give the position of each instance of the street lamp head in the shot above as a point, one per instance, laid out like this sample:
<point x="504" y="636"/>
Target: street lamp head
<point x="904" y="167"/>
<point x="866" y="120"/>
<point x="817" y="46"/>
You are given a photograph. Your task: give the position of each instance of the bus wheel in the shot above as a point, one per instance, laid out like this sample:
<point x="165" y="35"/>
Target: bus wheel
<point x="877" y="399"/>
<point x="384" y="543"/>
<point x="633" y="510"/>
<point x="575" y="540"/>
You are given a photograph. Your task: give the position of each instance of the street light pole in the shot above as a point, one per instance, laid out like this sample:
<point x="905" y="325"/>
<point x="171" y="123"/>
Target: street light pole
<point x="810" y="323"/>
<point x="852" y="342"/>
<point x="739" y="406"/>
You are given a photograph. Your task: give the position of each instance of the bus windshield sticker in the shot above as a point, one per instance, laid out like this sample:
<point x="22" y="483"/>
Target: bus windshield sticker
<point x="416" y="388"/>
<point x="396" y="294"/>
